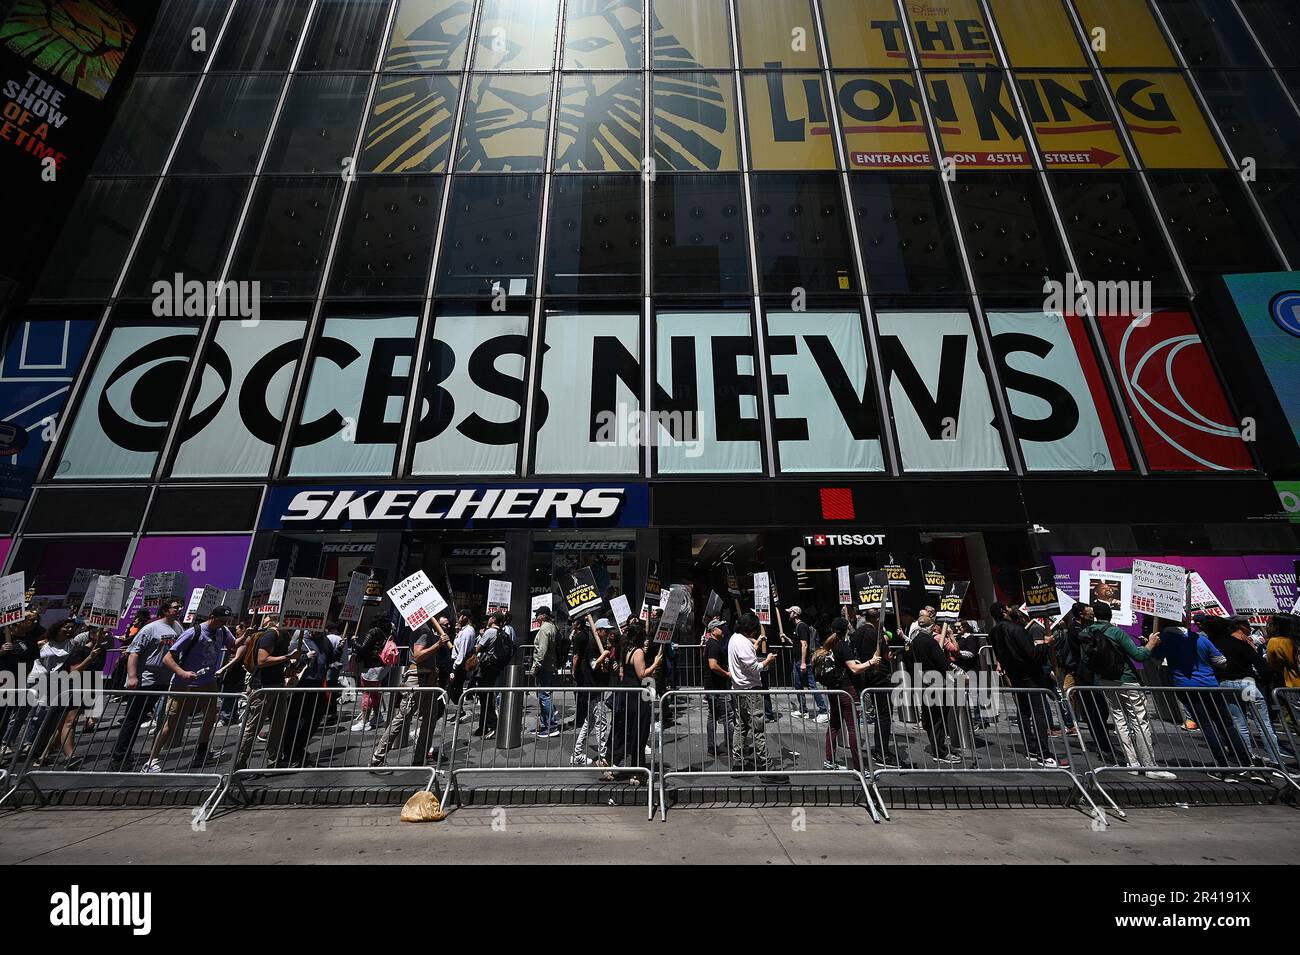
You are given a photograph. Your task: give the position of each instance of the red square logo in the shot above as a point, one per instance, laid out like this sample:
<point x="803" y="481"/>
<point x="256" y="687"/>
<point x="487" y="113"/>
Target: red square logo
<point x="837" y="504"/>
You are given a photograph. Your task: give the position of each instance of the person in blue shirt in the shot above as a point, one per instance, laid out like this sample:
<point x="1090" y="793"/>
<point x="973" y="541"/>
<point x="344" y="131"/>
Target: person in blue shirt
<point x="1192" y="660"/>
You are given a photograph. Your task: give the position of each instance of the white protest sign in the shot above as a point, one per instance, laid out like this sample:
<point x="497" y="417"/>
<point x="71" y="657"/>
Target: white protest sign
<point x="416" y="599"/>
<point x="1111" y="588"/>
<point x="539" y="600"/>
<point x="82" y="578"/>
<point x="498" y="595"/>
<point x="351" y="609"/>
<point x="263" y="580"/>
<point x="306" y="602"/>
<point x="1252" y="598"/>
<point x="1159" y="589"/>
<point x="12" y="590"/>
<point x="673" y="604"/>
<point x="274" y="598"/>
<point x="762" y="597"/>
<point x="845" y="585"/>
<point x="622" y="610"/>
<point x="202" y="602"/>
<point x="1203" y="599"/>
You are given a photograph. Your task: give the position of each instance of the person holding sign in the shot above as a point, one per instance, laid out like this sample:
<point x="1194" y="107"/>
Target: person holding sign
<point x="801" y="675"/>
<point x="543" y="671"/>
<point x="193" y="661"/>
<point x="145" y="670"/>
<point x="422" y="672"/>
<point x="633" y="711"/>
<point x="747" y="727"/>
<point x="85" y="653"/>
<point x="593" y="653"/>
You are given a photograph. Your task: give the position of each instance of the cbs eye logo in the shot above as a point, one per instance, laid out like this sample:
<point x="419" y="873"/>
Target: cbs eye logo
<point x="1284" y="309"/>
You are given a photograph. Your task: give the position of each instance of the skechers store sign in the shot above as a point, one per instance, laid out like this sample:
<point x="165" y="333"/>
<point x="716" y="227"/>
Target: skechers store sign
<point x="455" y="505"/>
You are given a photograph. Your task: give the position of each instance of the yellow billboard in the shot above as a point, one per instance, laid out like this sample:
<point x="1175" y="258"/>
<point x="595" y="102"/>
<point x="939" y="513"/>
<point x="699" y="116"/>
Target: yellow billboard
<point x="1037" y="34"/>
<point x="951" y="33"/>
<point x="1166" y="123"/>
<point x="1123" y="33"/>
<point x="1071" y="121"/>
<point x="789" y="126"/>
<point x="978" y="126"/>
<point x="882" y="120"/>
<point x="777" y="34"/>
<point x="864" y="33"/>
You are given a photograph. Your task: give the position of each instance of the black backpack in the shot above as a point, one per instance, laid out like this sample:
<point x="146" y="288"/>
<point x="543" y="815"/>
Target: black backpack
<point x="1104" y="659"/>
<point x="500" y="652"/>
<point x="828" y="671"/>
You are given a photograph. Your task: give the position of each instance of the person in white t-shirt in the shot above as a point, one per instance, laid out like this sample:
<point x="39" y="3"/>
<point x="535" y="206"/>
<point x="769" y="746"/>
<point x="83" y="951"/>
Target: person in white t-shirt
<point x="746" y="669"/>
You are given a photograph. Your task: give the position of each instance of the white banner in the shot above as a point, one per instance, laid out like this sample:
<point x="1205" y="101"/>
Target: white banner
<point x="1252" y="598"/>
<point x="12" y="590"/>
<point x="540" y="600"/>
<point x="622" y="610"/>
<point x="350" y="612"/>
<point x="762" y="597"/>
<point x="1203" y="599"/>
<point x="306" y="602"/>
<point x="1112" y="588"/>
<point x="262" y="583"/>
<point x="845" y="584"/>
<point x="673" y="603"/>
<point x="498" y="595"/>
<point x="273" y="599"/>
<point x="417" y="599"/>
<point x="1160" y="589"/>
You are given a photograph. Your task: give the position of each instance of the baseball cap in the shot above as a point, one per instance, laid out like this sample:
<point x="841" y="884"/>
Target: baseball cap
<point x="604" y="624"/>
<point x="714" y="624"/>
<point x="795" y="611"/>
<point x="222" y="611"/>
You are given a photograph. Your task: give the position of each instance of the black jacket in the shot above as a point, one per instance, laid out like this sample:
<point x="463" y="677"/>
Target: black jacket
<point x="1021" y="659"/>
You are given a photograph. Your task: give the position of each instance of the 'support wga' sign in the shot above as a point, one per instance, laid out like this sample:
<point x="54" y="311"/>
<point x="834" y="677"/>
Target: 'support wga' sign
<point x="580" y="594"/>
<point x="950" y="601"/>
<point x="306" y="602"/>
<point x="417" y="599"/>
<point x="1040" y="591"/>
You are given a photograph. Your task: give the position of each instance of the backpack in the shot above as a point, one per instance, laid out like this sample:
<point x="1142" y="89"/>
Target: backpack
<point x="828" y="671"/>
<point x="500" y="652"/>
<point x="1104" y="659"/>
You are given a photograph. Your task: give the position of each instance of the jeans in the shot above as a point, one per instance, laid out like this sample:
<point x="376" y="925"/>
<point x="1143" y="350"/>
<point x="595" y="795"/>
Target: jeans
<point x="545" y="677"/>
<point x="746" y="722"/>
<point x="1210" y="711"/>
<point x="1251" y="696"/>
<point x="802" y="679"/>
<point x="719" y="712"/>
<point x="428" y="711"/>
<point x="843" y="720"/>
<point x="137" y="708"/>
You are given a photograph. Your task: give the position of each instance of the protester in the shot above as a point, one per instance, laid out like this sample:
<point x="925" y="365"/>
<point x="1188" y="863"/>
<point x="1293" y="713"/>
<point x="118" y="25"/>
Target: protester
<point x="1025" y="664"/>
<point x="145" y="670"/>
<point x="592" y="653"/>
<point x="194" y="659"/>
<point x="422" y="672"/>
<point x="801" y="676"/>
<point x="632" y="711"/>
<point x="19" y="648"/>
<point x="718" y="678"/>
<point x="307" y="706"/>
<point x="371" y="672"/>
<point x="746" y="669"/>
<point x="543" y="672"/>
<point x="85" y="655"/>
<point x="934" y="669"/>
<point x="837" y="667"/>
<point x="495" y="651"/>
<point x="31" y="731"/>
<point x="1283" y="641"/>
<point x="1068" y="655"/>
<point x="1243" y="670"/>
<point x="267" y="659"/>
<point x="1108" y="655"/>
<point x="462" y="662"/>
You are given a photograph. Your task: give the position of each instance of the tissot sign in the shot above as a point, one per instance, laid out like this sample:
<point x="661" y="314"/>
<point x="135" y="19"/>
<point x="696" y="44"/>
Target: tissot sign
<point x="456" y="505"/>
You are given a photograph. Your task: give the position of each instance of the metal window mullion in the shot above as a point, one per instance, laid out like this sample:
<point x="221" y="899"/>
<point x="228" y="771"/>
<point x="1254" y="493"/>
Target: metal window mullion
<point x="747" y="197"/>
<point x="1089" y="316"/>
<point x="1001" y="408"/>
<point x="648" y="178"/>
<point x="1189" y="77"/>
<point x="315" y="322"/>
<point x="1259" y="45"/>
<point x="82" y="379"/>
<point x="531" y="375"/>
<point x="884" y="414"/>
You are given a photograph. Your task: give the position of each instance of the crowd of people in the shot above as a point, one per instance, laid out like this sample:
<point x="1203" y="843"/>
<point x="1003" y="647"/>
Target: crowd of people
<point x="208" y="673"/>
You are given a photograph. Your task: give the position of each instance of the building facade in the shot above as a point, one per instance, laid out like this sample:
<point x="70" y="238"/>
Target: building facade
<point x="493" y="287"/>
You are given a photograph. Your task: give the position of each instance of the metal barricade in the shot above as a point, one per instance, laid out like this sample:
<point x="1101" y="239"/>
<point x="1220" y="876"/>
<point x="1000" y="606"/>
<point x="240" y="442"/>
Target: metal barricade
<point x="967" y="727"/>
<point x="140" y="736"/>
<point x="689" y="667"/>
<point x="1234" y="738"/>
<point x="1288" y="711"/>
<point x="753" y="747"/>
<point x="569" y="725"/>
<point x="294" y="731"/>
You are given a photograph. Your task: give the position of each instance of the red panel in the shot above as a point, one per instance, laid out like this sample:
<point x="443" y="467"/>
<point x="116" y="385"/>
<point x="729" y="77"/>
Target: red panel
<point x="837" y="504"/>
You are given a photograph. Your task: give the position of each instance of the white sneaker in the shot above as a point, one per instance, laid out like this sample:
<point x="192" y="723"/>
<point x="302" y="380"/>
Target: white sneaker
<point x="1160" y="774"/>
<point x="827" y="764"/>
<point x="797" y="714"/>
<point x="152" y="766"/>
<point x="580" y="759"/>
<point x="823" y="717"/>
<point x="358" y="726"/>
<point x="648" y="751"/>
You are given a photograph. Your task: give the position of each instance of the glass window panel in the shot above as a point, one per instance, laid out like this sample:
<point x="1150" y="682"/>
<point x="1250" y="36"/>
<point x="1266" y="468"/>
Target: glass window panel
<point x="1277" y="26"/>
<point x="504" y="128"/>
<point x="1133" y="38"/>
<point x="699" y="235"/>
<point x="789" y="127"/>
<point x="691" y="34"/>
<point x="1213" y="226"/>
<point x="261" y="37"/>
<point x="129" y="401"/>
<point x="1070" y="118"/>
<point x="145" y="127"/>
<point x="386" y="244"/>
<point x="287" y="232"/>
<point x="317" y="128"/>
<point x="943" y="409"/>
<point x="824" y="406"/>
<point x="705" y="404"/>
<point x="87" y="258"/>
<point x="695" y="121"/>
<point x="170" y="48"/>
<point x="977" y="120"/>
<point x="1010" y="236"/>
<point x="599" y="126"/>
<point x="777" y="34"/>
<point x="472" y="412"/>
<point x="228" y="127"/>
<point x="952" y="33"/>
<point x="1174" y="399"/>
<point x="590" y="428"/>
<point x="410" y="123"/>
<point x="1060" y="411"/>
<point x="906" y="234"/>
<point x="1037" y="34"/>
<point x="235" y="420"/>
<point x="172" y="244"/>
<point x="429" y="35"/>
<point x="351" y="419"/>
<point x="864" y="33"/>
<point x="1209" y="33"/>
<point x="1165" y="120"/>
<point x="1279" y="196"/>
<point x="603" y="35"/>
<point x="1112" y="230"/>
<point x="492" y="225"/>
<point x="345" y="35"/>
<point x="883" y="121"/>
<point x="801" y="234"/>
<point x="517" y="35"/>
<point x="594" y="246"/>
<point x="1254" y="115"/>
